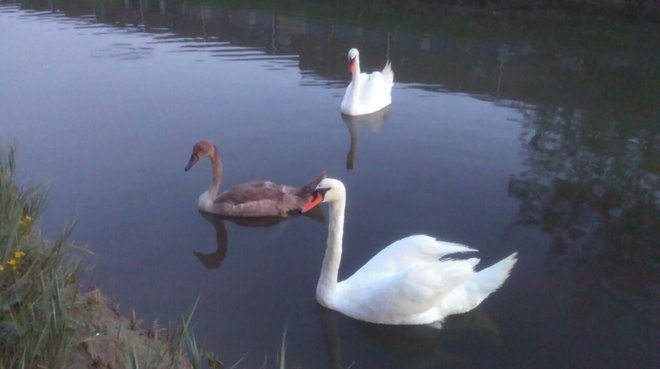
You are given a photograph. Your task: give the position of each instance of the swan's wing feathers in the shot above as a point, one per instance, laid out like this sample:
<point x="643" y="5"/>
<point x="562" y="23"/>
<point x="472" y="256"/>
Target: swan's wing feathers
<point x="430" y="247"/>
<point x="377" y="85"/>
<point x="383" y="299"/>
<point x="411" y="251"/>
<point x="415" y="291"/>
<point x="487" y="280"/>
<point x="252" y="192"/>
<point x="484" y="282"/>
<point x="388" y="75"/>
<point x="426" y="284"/>
<point x="257" y="185"/>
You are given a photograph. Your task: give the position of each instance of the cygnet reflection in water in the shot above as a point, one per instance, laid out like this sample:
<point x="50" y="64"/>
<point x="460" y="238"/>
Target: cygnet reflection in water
<point x="214" y="260"/>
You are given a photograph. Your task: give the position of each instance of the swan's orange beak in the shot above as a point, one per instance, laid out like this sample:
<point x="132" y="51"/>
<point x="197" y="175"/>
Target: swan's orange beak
<point x="351" y="66"/>
<point x="317" y="199"/>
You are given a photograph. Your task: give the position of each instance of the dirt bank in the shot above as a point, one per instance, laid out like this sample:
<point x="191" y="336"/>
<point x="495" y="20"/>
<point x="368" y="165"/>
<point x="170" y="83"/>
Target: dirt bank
<point x="108" y="340"/>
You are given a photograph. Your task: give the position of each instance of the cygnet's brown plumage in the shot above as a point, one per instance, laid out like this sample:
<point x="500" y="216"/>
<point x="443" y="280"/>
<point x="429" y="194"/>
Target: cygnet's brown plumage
<point x="253" y="199"/>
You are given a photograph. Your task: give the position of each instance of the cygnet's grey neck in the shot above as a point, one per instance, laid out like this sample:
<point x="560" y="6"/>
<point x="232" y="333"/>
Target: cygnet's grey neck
<point x="207" y="198"/>
<point x="216" y="161"/>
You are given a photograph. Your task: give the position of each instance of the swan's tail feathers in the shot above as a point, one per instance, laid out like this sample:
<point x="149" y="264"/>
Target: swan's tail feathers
<point x="387" y="73"/>
<point x="488" y="280"/>
<point x="311" y="186"/>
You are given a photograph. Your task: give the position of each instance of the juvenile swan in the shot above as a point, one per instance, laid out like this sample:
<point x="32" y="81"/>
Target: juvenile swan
<point x="367" y="93"/>
<point x="253" y="199"/>
<point x="406" y="282"/>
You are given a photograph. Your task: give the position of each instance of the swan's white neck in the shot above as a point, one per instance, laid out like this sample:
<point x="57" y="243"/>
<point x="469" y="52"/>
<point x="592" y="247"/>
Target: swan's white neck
<point x="355" y="78"/>
<point x="327" y="284"/>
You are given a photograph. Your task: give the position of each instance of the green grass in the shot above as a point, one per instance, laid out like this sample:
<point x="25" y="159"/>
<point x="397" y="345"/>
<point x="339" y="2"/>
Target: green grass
<point x="41" y="325"/>
<point x="37" y="287"/>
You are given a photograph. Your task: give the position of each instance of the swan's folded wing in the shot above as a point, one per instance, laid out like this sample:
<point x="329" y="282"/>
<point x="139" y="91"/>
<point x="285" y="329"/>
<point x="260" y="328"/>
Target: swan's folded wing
<point x="376" y="89"/>
<point x="252" y="192"/>
<point x="400" y="297"/>
<point x="410" y="252"/>
<point x="387" y="73"/>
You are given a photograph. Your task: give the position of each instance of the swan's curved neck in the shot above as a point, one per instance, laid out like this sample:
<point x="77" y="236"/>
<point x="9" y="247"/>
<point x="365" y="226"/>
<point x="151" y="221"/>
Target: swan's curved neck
<point x="330" y="269"/>
<point x="356" y="70"/>
<point x="216" y="161"/>
<point x="356" y="80"/>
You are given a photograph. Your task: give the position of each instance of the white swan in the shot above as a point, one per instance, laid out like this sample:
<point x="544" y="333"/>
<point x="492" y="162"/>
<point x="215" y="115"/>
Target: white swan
<point x="406" y="282"/>
<point x="367" y="93"/>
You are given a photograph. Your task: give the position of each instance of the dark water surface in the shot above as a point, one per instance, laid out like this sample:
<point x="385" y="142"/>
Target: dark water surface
<point x="504" y="134"/>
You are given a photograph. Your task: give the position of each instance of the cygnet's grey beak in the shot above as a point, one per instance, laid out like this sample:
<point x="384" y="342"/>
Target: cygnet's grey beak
<point x="193" y="159"/>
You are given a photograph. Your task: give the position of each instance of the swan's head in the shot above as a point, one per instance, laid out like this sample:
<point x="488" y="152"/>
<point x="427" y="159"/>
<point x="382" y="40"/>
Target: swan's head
<point x="328" y="190"/>
<point x="352" y="59"/>
<point x="201" y="149"/>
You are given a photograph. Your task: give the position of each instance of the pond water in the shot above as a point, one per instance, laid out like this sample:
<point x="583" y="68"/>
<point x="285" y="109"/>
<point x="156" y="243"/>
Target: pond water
<point x="507" y="135"/>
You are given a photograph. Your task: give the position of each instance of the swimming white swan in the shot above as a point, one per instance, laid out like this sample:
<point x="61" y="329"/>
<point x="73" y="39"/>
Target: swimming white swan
<point x="367" y="93"/>
<point x="406" y="282"/>
<point x="253" y="199"/>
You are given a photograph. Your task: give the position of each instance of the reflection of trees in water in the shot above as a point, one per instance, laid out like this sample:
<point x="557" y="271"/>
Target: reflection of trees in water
<point x="537" y="60"/>
<point x="595" y="189"/>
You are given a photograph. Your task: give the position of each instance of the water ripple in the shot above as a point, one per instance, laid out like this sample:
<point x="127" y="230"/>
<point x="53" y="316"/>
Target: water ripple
<point x="9" y="9"/>
<point x="123" y="51"/>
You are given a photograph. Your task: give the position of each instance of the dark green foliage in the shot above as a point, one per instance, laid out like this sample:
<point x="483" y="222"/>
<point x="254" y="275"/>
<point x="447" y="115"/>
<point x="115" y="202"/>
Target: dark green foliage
<point x="36" y="286"/>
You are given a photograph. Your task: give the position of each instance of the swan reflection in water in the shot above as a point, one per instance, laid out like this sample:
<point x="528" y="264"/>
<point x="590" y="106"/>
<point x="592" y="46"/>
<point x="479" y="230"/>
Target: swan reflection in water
<point x="214" y="260"/>
<point x="423" y="346"/>
<point x="371" y="121"/>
